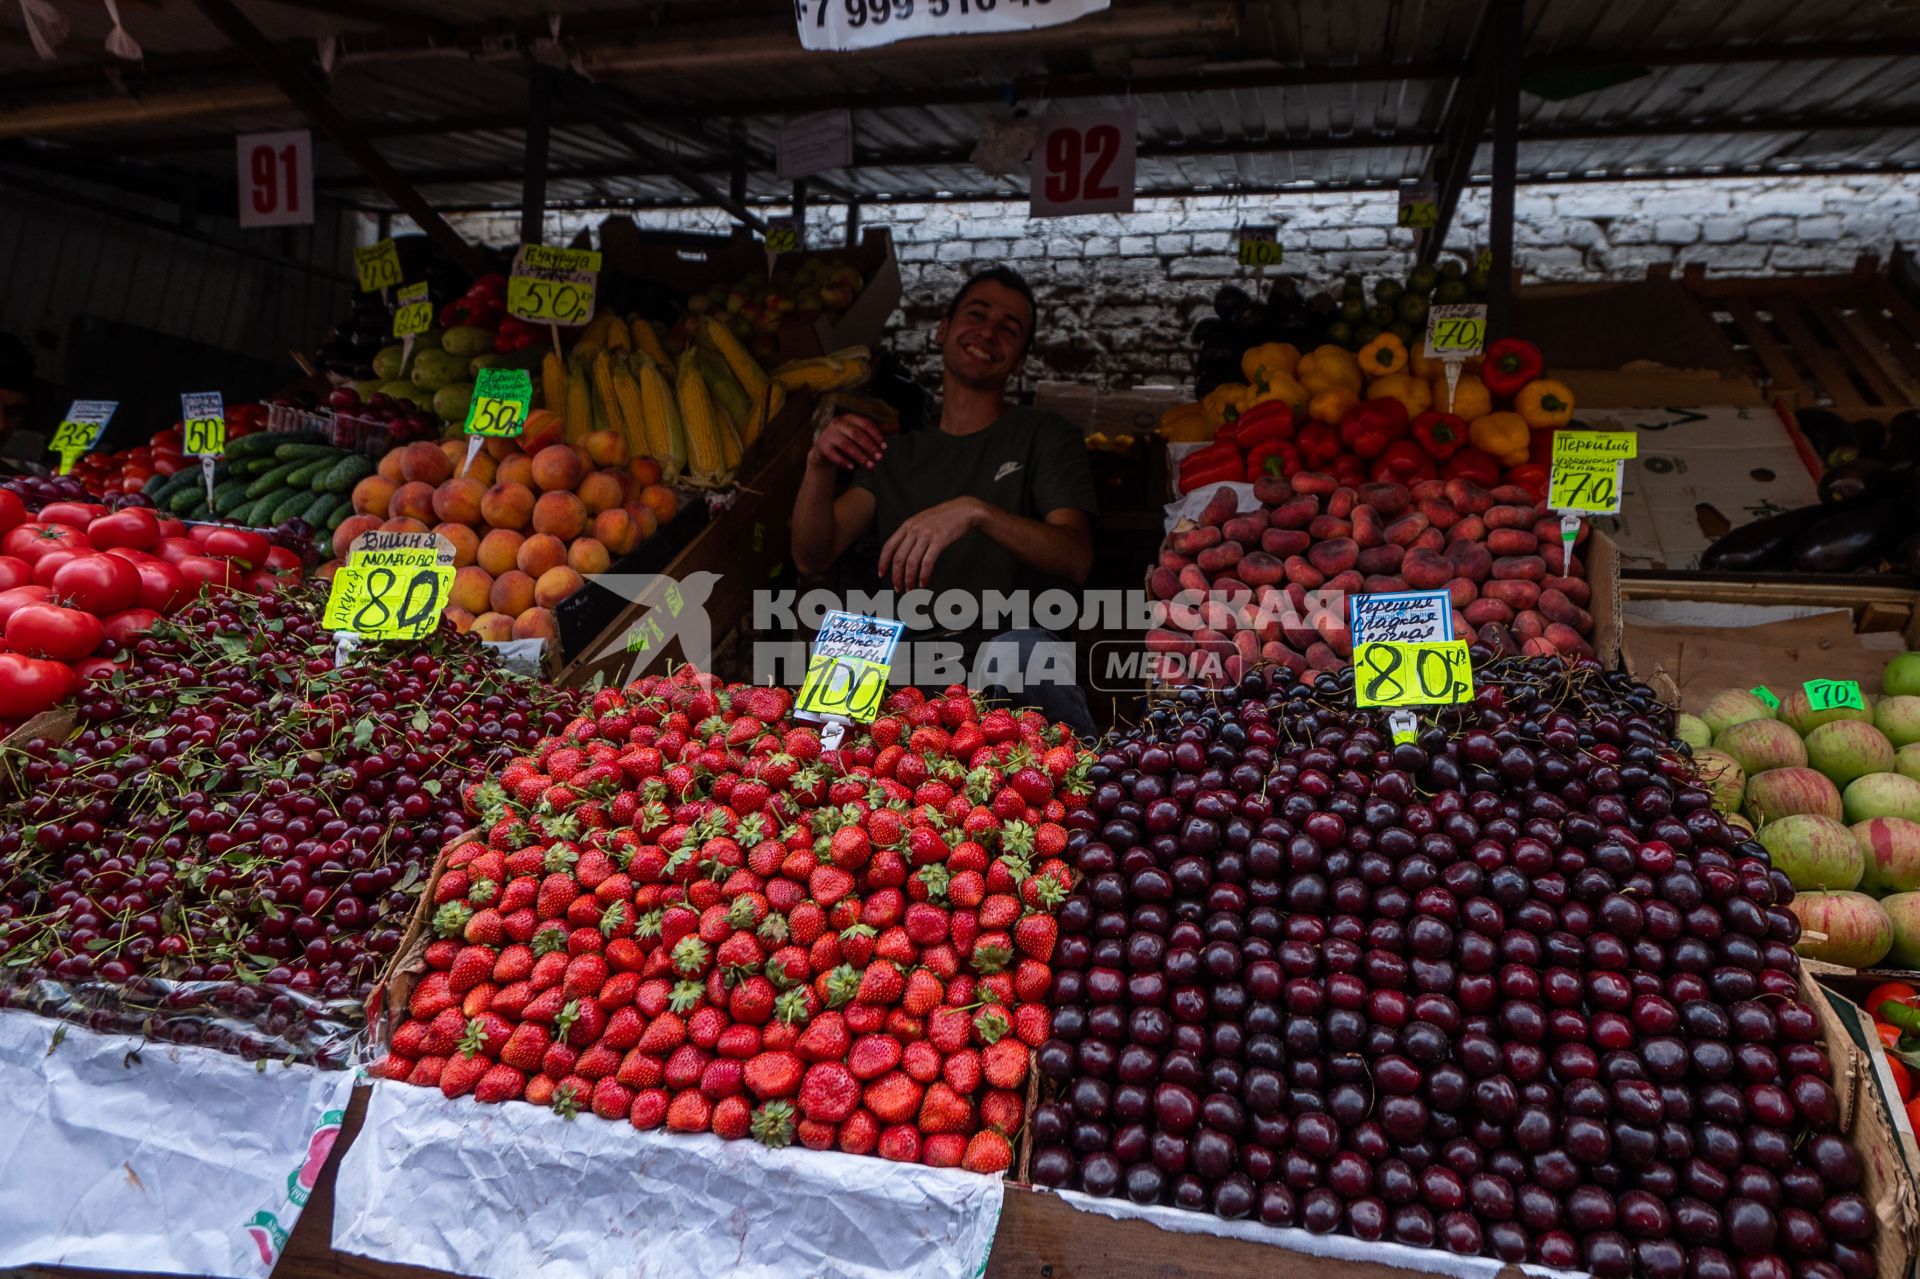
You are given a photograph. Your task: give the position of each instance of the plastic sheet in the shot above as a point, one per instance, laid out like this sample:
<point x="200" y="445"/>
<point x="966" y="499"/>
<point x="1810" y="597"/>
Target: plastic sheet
<point x="124" y="1155"/>
<point x="507" y="1191"/>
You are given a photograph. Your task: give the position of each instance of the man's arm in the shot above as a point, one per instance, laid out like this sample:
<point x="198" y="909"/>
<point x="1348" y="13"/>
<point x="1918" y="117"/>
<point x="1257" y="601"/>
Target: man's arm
<point x="1061" y="545"/>
<point x="823" y="525"/>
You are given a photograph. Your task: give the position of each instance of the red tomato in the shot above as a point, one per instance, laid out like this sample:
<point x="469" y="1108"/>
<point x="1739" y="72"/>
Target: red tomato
<point x="29" y="685"/>
<point x="101" y="584"/>
<point x="52" y="562"/>
<point x="206" y="570"/>
<point x="12" y="510"/>
<point x="135" y="527"/>
<point x="249" y="549"/>
<point x="1902" y="1077"/>
<point x="261" y="581"/>
<point x="1898" y="992"/>
<point x="19" y="595"/>
<point x="92" y="668"/>
<point x="173" y="528"/>
<point x="1889" y="1035"/>
<point x="14" y="572"/>
<point x="163" y="587"/>
<point x="1913" y="1114"/>
<point x="49" y="630"/>
<point x="200" y="533"/>
<point x="35" y="538"/>
<point x="124" y="627"/>
<point x="130" y="555"/>
<point x="280" y="559"/>
<point x="175" y="549"/>
<point x="78" y="514"/>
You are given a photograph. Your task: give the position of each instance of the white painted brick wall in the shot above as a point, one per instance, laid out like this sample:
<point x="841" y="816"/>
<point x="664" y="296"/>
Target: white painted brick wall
<point x="1120" y="293"/>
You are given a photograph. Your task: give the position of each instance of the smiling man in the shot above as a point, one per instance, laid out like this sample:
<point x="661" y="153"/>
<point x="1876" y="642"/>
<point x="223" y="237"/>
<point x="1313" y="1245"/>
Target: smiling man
<point x="996" y="497"/>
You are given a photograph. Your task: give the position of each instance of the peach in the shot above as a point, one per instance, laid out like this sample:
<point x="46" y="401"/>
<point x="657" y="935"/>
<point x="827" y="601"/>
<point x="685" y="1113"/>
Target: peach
<point x="516" y="468"/>
<point x="561" y="514"/>
<point x="644" y="471"/>
<point x="426" y="462"/>
<point x="499" y="551"/>
<point x="496" y="628"/>
<point x="472" y="588"/>
<point x="511" y="593"/>
<point x="557" y="468"/>
<point x="466" y="542"/>
<point x="599" y="491"/>
<point x="605" y="448"/>
<point x="351" y="527"/>
<point x="389" y="468"/>
<point x="483" y="468"/>
<point x="414" y="500"/>
<point x="555" y="585"/>
<point x="371" y="495"/>
<point x="645" y="522"/>
<point x="456" y="451"/>
<point x="404" y="524"/>
<point x="539" y="553"/>
<point x="326" y="571"/>
<point x="588" y="556"/>
<point x="507" y="505"/>
<point x="461" y="619"/>
<point x="660" y="500"/>
<point x="615" y="530"/>
<point x="458" y="501"/>
<point x="537" y="623"/>
<point x="500" y="447"/>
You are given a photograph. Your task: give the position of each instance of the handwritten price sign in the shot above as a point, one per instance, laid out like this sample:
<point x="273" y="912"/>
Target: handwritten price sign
<point x="414" y="315"/>
<point x="378" y="266"/>
<point x="552" y="286"/>
<point x="501" y="401"/>
<point x="847" y="673"/>
<point x="389" y="594"/>
<point x="1834" y="694"/>
<point x="1392" y="674"/>
<point x="203" y="424"/>
<point x="1456" y="331"/>
<point x="1420" y="206"/>
<point x="81" y="429"/>
<point x="1587" y="470"/>
<point x="1260" y="245"/>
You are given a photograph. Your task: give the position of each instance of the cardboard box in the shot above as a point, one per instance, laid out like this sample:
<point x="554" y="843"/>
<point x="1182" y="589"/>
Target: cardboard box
<point x="1703" y="648"/>
<point x="1701" y="472"/>
<point x="387" y="1001"/>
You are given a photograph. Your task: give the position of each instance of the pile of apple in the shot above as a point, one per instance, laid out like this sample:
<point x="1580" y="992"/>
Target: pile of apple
<point x="530" y="519"/>
<point x="759" y="305"/>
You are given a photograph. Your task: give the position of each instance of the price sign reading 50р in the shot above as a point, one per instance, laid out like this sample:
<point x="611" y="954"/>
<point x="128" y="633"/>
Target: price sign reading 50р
<point x="552" y="286"/>
<point x="501" y="400"/>
<point x="1260" y="245"/>
<point x="1457" y="330"/>
<point x="203" y="424"/>
<point x="1391" y="674"/>
<point x="782" y="236"/>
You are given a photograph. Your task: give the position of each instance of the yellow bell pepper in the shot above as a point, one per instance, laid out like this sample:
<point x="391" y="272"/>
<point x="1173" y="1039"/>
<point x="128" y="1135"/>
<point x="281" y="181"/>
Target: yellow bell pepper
<point x="1471" y="399"/>
<point x="1281" y="387"/>
<point x="1385" y="354"/>
<point x="1544" y="403"/>
<point x="1185" y="423"/>
<point x="1328" y="367"/>
<point x="1331" y="405"/>
<point x="1404" y="387"/>
<point x="1262" y="363"/>
<point x="1502" y="434"/>
<point x="1226" y="402"/>
<point x="1420" y="364"/>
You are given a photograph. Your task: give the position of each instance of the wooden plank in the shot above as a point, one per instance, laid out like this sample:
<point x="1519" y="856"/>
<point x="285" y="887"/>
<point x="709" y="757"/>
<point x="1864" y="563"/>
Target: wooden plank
<point x="1863" y="355"/>
<point x="1904" y="313"/>
<point x="1782" y="378"/>
<point x="1833" y="376"/>
<point x="1876" y="349"/>
<point x="1900" y="345"/>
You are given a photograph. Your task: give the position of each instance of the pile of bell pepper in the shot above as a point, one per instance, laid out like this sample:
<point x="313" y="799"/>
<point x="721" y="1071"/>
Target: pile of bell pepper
<point x="1382" y="414"/>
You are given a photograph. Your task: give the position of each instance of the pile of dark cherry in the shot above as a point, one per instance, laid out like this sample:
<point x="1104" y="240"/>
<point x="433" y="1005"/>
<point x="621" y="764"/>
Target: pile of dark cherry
<point x="1509" y="988"/>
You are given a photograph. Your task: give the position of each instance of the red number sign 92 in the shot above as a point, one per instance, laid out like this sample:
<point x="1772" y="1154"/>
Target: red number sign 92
<point x="1069" y="152"/>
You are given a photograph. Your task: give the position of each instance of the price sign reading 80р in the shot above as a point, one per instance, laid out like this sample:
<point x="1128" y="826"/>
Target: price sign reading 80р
<point x="552" y="286"/>
<point x="847" y="674"/>
<point x="1391" y="674"/>
<point x="389" y="594"/>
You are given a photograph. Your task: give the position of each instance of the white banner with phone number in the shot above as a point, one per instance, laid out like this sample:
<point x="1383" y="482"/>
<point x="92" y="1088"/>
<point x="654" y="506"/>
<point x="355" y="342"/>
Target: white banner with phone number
<point x="842" y="25"/>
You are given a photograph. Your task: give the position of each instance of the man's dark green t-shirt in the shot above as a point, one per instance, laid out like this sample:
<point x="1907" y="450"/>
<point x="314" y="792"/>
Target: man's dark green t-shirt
<point x="1029" y="463"/>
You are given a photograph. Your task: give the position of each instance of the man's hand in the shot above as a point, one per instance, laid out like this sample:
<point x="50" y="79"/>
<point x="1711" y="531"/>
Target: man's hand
<point x="915" y="547"/>
<point x="849" y="441"/>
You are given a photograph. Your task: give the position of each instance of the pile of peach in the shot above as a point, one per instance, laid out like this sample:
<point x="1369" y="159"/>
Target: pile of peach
<point x="527" y="529"/>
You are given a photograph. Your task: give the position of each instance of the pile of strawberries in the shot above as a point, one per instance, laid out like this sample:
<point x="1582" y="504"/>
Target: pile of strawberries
<point x="685" y="912"/>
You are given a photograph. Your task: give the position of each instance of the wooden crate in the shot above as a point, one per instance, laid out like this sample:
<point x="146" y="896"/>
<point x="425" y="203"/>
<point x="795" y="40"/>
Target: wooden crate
<point x="1849" y="343"/>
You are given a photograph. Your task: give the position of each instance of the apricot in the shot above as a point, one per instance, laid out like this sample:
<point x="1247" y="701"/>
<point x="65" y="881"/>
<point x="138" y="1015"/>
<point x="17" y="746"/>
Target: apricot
<point x="539" y="553"/>
<point x="588" y="556"/>
<point x="426" y="463"/>
<point x="605" y="448"/>
<point x="472" y="588"/>
<point x="499" y="551"/>
<point x="644" y="471"/>
<point x="511" y="593"/>
<point x="600" y="491"/>
<point x="496" y="628"/>
<point x="537" y="623"/>
<point x="516" y="468"/>
<point x="466" y="542"/>
<point x="507" y="505"/>
<point x="555" y="585"/>
<point x="660" y="500"/>
<point x="351" y="527"/>
<point x="558" y="468"/>
<point x="561" y="514"/>
<point x="456" y="452"/>
<point x="461" y="619"/>
<point x="458" y="501"/>
<point x="414" y="500"/>
<point x="404" y="524"/>
<point x="371" y="495"/>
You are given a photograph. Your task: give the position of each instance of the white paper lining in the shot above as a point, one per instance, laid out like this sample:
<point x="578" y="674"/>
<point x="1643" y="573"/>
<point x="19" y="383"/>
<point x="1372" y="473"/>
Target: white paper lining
<point x="182" y="1161"/>
<point x="507" y="1191"/>
<point x="1189" y="506"/>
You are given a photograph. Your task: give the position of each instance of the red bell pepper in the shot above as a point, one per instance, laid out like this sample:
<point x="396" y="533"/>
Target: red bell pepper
<point x="1266" y="422"/>
<point x="1271" y="458"/>
<point x="1510" y="364"/>
<point x="1318" y="445"/>
<point x="1350" y="470"/>
<point x="1403" y="463"/>
<point x="1473" y="464"/>
<point x="1216" y="462"/>
<point x="1440" y="434"/>
<point x="1369" y="427"/>
<point x="1533" y="477"/>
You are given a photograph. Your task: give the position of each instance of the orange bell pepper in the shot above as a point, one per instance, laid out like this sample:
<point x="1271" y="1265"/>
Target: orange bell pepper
<point x="1471" y="399"/>
<point x="1505" y="435"/>
<point x="1330" y="406"/>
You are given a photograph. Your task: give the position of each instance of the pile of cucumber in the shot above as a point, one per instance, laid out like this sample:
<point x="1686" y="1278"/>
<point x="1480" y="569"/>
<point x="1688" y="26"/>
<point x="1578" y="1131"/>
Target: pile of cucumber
<point x="266" y="479"/>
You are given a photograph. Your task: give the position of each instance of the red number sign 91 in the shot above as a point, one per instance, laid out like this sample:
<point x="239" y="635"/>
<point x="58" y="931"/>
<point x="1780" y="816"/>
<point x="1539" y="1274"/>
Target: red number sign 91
<point x="276" y="179"/>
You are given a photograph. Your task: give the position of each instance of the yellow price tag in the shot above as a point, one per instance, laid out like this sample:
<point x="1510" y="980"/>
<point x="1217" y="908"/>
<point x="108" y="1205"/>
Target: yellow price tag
<point x="414" y="315"/>
<point x="1420" y="206"/>
<point x="502" y="398"/>
<point x="203" y="424"/>
<point x="552" y="286"/>
<point x="378" y="266"/>
<point x="80" y="430"/>
<point x="1259" y="245"/>
<point x="1456" y="329"/>
<point x="1387" y="673"/>
<point x="389" y="594"/>
<point x="849" y="687"/>
<point x="1587" y="469"/>
<point x="782" y="239"/>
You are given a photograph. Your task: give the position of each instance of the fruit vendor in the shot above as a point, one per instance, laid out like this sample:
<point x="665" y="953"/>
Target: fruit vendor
<point x="995" y="497"/>
<point x="22" y="435"/>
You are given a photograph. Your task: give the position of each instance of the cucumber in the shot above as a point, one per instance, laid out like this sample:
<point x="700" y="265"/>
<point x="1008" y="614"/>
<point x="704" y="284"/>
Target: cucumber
<point x="252" y="466"/>
<point x="302" y="477"/>
<point x="290" y="504"/>
<point x="273" y="480"/>
<point x="247" y="510"/>
<point x="340" y="511"/>
<point x="265" y="442"/>
<point x="306" y="452"/>
<point x="187" y="498"/>
<point x="168" y="486"/>
<point x="349" y="471"/>
<point x="316" y="511"/>
<point x="228" y="496"/>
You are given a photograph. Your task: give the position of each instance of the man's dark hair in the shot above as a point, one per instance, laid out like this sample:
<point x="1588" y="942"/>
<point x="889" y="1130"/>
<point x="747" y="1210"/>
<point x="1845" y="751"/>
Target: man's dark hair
<point x="16" y="365"/>
<point x="1007" y="278"/>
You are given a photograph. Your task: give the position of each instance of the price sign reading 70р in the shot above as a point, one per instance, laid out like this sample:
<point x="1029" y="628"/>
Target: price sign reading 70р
<point x="1392" y="674"/>
<point x="389" y="594"/>
<point x="1586" y="471"/>
<point x="552" y="286"/>
<point x="847" y="674"/>
<point x="1260" y="245"/>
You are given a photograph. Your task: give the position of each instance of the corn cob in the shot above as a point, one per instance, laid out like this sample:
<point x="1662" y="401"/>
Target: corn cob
<point x="727" y="395"/>
<point x="646" y="338"/>
<point x="823" y="373"/>
<point x="666" y="434"/>
<point x="605" y="411"/>
<point x="706" y="448"/>
<point x="746" y="369"/>
<point x="553" y="383"/>
<point x="616" y="330"/>
<point x="579" y="398"/>
<point x="626" y="393"/>
<point x="764" y="411"/>
<point x="592" y="338"/>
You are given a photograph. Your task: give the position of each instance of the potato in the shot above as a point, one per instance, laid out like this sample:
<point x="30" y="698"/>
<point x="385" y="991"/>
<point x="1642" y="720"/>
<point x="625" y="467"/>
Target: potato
<point x="1324" y="528"/>
<point x="1296" y="512"/>
<point x="1335" y="555"/>
<point x="1425" y="570"/>
<point x="1381" y="559"/>
<point x="1388" y="499"/>
<point x="1285" y="541"/>
<point x="1403" y="530"/>
<point x="1318" y="483"/>
<point x="1507" y="568"/>
<point x="1511" y="541"/>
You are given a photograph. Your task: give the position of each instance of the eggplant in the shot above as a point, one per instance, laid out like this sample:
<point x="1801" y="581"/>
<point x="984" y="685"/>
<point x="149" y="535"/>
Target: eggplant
<point x="1763" y="543"/>
<point x="1864" y="478"/>
<point x="1824" y="430"/>
<point x="1230" y="301"/>
<point x="1903" y="439"/>
<point x="1855" y="538"/>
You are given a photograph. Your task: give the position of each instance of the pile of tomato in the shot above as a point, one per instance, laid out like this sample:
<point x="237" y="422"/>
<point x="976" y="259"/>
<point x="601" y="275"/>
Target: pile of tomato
<point x="79" y="584"/>
<point x="128" y="470"/>
<point x="1895" y="1009"/>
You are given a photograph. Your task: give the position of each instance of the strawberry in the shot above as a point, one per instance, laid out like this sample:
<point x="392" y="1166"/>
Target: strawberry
<point x="772" y="1125"/>
<point x="987" y="1152"/>
<point x="881" y="984"/>
<point x="473" y="965"/>
<point x="1031" y="980"/>
<point x="649" y="1109"/>
<point x="689" y="1111"/>
<point x="923" y="993"/>
<point x="999" y="911"/>
<point x="872" y="1056"/>
<point x="829" y="884"/>
<point x="443" y="1032"/>
<point x="774" y="1074"/>
<point x="732" y="1118"/>
<point x="857" y="944"/>
<point x="943" y="1110"/>
<point x="462" y="1073"/>
<point x="962" y="1071"/>
<point x="829" y="1092"/>
<point x="860" y="1134"/>
<point x="1004" y="1063"/>
<point x="943" y="1150"/>
<point x="1002" y="1110"/>
<point x="949" y="1029"/>
<point x="900" y="1143"/>
<point x="1034" y="935"/>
